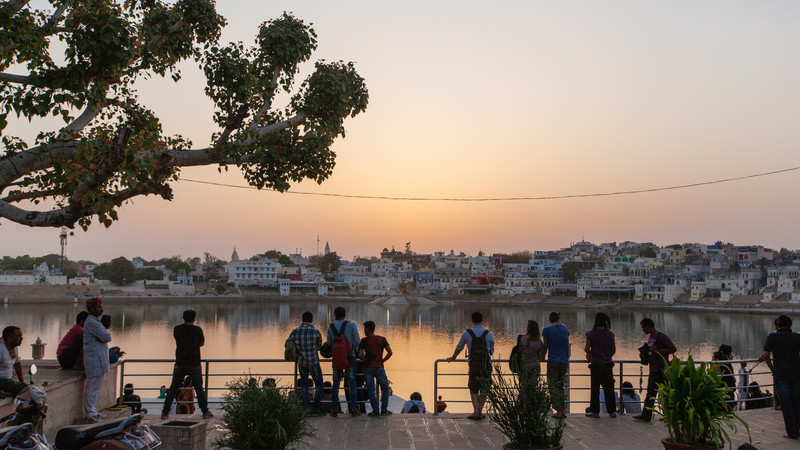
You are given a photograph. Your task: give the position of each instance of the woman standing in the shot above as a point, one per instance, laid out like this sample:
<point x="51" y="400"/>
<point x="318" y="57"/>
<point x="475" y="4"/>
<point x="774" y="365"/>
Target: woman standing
<point x="600" y="349"/>
<point x="532" y="348"/>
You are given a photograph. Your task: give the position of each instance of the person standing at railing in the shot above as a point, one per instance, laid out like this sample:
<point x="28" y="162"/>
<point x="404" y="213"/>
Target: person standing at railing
<point x="532" y="348"/>
<point x="725" y="368"/>
<point x="600" y="349"/>
<point x="308" y="340"/>
<point x="349" y="331"/>
<point x="371" y="352"/>
<point x="660" y="346"/>
<point x="782" y="355"/>
<point x="480" y="345"/>
<point x="741" y="387"/>
<point x="556" y="345"/>
<point x="188" y="340"/>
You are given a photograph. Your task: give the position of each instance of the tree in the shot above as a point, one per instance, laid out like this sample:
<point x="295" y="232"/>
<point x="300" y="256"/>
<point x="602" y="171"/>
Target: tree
<point x="272" y="254"/>
<point x="649" y="252"/>
<point x="285" y="261"/>
<point x="121" y="271"/>
<point x="212" y="267"/>
<point x="149" y="273"/>
<point x="522" y="257"/>
<point x="327" y="263"/>
<point x="112" y="148"/>
<point x="571" y="270"/>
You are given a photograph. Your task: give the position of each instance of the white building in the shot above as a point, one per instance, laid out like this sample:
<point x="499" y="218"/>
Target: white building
<point x="254" y="273"/>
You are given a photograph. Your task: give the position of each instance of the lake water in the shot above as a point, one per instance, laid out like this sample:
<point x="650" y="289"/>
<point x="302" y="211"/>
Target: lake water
<point x="418" y="335"/>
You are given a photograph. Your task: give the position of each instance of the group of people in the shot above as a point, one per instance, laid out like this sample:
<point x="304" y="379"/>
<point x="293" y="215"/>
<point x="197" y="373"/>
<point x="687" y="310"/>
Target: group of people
<point x="345" y="346"/>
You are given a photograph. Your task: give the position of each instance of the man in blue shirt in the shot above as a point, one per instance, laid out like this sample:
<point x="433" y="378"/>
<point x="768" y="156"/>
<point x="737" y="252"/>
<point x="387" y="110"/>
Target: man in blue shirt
<point x="308" y="340"/>
<point x="556" y="344"/>
<point x="478" y="379"/>
<point x="350" y="332"/>
<point x="784" y="347"/>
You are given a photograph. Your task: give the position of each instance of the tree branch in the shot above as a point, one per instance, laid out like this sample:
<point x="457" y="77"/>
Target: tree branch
<point x="81" y="121"/>
<point x="33" y="194"/>
<point x="267" y="104"/>
<point x="269" y="129"/>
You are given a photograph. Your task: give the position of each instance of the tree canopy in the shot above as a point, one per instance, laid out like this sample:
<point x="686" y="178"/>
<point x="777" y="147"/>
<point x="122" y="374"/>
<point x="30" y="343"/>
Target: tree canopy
<point x="112" y="148"/>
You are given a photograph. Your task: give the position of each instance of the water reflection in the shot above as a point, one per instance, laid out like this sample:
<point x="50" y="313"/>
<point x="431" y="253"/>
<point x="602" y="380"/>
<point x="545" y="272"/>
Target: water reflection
<point x="418" y="334"/>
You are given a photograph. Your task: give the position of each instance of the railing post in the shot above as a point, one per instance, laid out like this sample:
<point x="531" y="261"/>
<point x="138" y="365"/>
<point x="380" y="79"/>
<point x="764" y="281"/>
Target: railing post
<point x="566" y="388"/>
<point x="121" y="382"/>
<point x="435" y="387"/>
<point x="621" y="405"/>
<point x="208" y="365"/>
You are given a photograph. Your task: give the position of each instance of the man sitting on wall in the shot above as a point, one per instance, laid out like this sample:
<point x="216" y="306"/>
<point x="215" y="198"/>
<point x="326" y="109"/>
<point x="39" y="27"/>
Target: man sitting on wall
<point x="70" y="349"/>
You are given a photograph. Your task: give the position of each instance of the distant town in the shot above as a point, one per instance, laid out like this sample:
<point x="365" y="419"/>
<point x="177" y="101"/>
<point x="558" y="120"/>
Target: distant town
<point x="611" y="271"/>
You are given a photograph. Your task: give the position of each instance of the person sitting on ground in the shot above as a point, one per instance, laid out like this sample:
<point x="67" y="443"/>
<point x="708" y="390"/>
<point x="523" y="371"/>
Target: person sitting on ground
<point x="631" y="401"/>
<point x="726" y="371"/>
<point x="756" y="398"/>
<point x="185" y="397"/>
<point x="441" y="406"/>
<point x="70" y="349"/>
<point x="414" y="405"/>
<point x="131" y="400"/>
<point x="114" y="353"/>
<point x="325" y="404"/>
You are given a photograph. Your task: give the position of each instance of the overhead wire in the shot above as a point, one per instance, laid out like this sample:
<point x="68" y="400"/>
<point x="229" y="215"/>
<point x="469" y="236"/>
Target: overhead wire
<point x="501" y="199"/>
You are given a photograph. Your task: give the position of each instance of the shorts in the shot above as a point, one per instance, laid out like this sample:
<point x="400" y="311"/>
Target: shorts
<point x="478" y="382"/>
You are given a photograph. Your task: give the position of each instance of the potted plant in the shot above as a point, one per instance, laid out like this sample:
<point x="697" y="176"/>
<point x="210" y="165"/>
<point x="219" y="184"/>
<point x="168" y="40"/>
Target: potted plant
<point x="257" y="416"/>
<point x="692" y="403"/>
<point x="519" y="407"/>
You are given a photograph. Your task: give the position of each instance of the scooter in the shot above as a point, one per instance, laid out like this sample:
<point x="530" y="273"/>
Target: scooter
<point x="22" y="437"/>
<point x="30" y="406"/>
<point x="125" y="434"/>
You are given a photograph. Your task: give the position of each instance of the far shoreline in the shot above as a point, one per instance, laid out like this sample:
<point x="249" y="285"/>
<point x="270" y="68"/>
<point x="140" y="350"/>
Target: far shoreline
<point x="704" y="304"/>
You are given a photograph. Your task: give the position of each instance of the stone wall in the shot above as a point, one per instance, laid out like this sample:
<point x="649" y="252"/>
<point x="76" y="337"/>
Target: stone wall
<point x="65" y="394"/>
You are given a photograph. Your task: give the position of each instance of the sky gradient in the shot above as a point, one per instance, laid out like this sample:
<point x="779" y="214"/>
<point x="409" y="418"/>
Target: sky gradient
<point x="519" y="99"/>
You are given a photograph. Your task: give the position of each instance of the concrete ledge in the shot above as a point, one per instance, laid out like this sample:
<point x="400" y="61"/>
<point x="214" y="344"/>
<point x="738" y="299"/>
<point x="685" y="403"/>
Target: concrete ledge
<point x="64" y="393"/>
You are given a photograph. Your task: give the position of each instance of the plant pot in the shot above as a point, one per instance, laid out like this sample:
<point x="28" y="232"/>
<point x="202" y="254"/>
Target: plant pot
<point x="507" y="446"/>
<point x="669" y="445"/>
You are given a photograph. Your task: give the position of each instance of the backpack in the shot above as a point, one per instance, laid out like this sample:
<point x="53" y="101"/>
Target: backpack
<point x="516" y="361"/>
<point x="479" y="360"/>
<point x="290" y="350"/>
<point x="415" y="407"/>
<point x="340" y="348"/>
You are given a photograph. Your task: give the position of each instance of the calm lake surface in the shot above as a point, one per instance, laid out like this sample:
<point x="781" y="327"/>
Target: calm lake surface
<point x="418" y="335"/>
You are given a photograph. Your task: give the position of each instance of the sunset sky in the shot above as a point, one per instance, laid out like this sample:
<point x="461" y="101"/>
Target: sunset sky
<point x="509" y="99"/>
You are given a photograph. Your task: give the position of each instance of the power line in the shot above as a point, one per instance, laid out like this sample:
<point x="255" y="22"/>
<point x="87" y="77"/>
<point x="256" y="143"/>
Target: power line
<point x="501" y="199"/>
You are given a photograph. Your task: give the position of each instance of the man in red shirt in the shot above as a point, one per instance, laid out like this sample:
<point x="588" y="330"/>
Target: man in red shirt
<point x="371" y="352"/>
<point x="70" y="350"/>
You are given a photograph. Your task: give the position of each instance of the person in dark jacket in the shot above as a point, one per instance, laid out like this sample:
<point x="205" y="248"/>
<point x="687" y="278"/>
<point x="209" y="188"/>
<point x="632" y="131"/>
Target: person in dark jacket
<point x="660" y="347"/>
<point x="188" y="340"/>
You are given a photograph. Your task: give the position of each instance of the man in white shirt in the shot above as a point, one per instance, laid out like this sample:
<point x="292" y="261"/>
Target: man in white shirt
<point x="9" y="359"/>
<point x="95" y="358"/>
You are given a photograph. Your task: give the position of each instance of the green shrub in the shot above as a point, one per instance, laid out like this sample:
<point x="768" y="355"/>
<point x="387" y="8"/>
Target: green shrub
<point x="520" y="408"/>
<point x="692" y="401"/>
<point x="256" y="417"/>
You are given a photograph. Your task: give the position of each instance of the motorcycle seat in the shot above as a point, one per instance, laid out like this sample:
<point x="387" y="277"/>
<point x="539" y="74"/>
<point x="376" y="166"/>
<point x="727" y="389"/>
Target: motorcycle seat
<point x="75" y="438"/>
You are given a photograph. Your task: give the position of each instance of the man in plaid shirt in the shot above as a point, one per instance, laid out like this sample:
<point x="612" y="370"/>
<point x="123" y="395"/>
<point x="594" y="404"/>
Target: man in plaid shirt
<point x="308" y="340"/>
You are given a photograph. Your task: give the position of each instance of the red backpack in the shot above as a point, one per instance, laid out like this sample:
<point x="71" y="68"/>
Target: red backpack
<point x="341" y="348"/>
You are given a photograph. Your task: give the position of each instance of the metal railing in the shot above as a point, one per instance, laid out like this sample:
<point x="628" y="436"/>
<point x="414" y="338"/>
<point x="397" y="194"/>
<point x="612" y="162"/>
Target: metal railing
<point x="619" y="377"/>
<point x="210" y="376"/>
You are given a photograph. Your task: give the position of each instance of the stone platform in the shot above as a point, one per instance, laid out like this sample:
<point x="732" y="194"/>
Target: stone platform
<point x="455" y="431"/>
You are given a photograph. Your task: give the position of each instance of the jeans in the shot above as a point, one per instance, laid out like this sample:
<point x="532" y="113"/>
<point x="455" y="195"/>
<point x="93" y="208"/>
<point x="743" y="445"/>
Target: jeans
<point x="350" y="373"/>
<point x="789" y="395"/>
<point x="652" y="392"/>
<point x="316" y="375"/>
<point x="377" y="373"/>
<point x="602" y="375"/>
<point x="556" y="377"/>
<point x="178" y="374"/>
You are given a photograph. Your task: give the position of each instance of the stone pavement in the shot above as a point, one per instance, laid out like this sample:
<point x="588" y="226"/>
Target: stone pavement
<point x="455" y="431"/>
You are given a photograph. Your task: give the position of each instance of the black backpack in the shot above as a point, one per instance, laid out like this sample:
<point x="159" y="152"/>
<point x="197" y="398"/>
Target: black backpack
<point x="516" y="361"/>
<point x="479" y="360"/>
